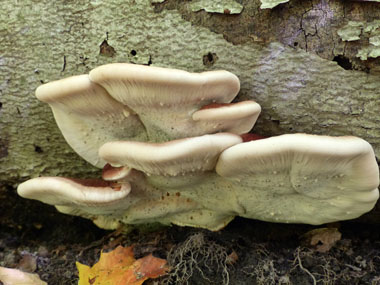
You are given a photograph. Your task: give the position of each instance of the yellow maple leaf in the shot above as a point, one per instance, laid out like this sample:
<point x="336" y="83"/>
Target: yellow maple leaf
<point x="119" y="267"/>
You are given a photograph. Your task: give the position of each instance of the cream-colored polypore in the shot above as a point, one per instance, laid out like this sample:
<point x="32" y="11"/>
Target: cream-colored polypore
<point x="88" y="116"/>
<point x="160" y="129"/>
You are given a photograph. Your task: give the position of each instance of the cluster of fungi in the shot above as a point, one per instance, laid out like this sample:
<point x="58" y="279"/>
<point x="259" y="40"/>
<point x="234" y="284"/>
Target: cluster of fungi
<point x="175" y="150"/>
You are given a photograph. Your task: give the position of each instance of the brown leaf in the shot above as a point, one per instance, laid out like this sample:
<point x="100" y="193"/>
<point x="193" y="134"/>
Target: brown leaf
<point x="232" y="257"/>
<point x="322" y="239"/>
<point x="28" y="263"/>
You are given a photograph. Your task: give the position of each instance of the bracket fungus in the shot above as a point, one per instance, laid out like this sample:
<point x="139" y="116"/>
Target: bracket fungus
<point x="173" y="149"/>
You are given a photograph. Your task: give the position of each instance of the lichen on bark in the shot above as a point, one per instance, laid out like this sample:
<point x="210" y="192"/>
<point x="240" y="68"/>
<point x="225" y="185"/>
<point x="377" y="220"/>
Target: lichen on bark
<point x="217" y="6"/>
<point x="368" y="31"/>
<point x="268" y="4"/>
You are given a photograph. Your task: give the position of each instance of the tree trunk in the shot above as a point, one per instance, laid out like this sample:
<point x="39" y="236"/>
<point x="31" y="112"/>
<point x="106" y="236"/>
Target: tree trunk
<point x="290" y="59"/>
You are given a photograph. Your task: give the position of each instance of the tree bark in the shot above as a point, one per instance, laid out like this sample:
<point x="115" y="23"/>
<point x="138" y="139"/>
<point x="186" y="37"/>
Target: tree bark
<point x="289" y="59"/>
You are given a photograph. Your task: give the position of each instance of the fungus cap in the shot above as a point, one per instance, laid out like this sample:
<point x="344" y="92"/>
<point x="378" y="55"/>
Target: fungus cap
<point x="88" y="116"/>
<point x="149" y="86"/>
<point x="236" y="118"/>
<point x="171" y="158"/>
<point x="77" y="94"/>
<point x="165" y="99"/>
<point x="100" y="195"/>
<point x="303" y="178"/>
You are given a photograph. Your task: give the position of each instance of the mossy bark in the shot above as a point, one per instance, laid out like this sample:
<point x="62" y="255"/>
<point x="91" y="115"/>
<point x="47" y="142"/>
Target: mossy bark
<point x="290" y="59"/>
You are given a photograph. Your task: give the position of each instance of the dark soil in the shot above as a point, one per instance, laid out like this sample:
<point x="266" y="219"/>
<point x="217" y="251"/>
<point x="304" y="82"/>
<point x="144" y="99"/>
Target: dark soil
<point x="36" y="238"/>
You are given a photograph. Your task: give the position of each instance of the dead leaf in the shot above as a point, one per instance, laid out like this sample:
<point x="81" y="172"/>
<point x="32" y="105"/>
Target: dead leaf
<point x="9" y="276"/>
<point x="232" y="257"/>
<point x="113" y="242"/>
<point x="59" y="249"/>
<point x="323" y="239"/>
<point x="119" y="267"/>
<point x="28" y="263"/>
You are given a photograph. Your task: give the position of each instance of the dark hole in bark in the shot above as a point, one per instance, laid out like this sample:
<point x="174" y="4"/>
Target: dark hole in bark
<point x="106" y="49"/>
<point x="343" y="62"/>
<point x="38" y="149"/>
<point x="209" y="59"/>
<point x="295" y="44"/>
<point x="133" y="52"/>
<point x="1" y="105"/>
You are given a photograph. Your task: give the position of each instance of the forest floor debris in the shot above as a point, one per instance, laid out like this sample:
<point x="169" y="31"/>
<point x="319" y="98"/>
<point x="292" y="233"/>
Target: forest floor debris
<point x="245" y="252"/>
